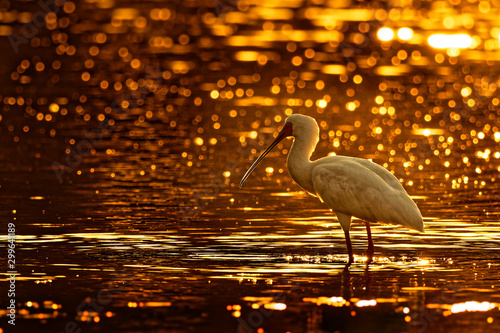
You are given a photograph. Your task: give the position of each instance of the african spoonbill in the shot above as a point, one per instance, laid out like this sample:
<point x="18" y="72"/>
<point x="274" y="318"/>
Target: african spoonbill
<point x="349" y="186"/>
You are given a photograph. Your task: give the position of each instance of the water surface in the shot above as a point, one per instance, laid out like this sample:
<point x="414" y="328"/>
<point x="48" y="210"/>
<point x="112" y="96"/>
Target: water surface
<point x="127" y="126"/>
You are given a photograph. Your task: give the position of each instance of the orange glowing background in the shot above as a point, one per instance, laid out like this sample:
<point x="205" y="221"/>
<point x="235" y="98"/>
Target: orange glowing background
<point x="126" y="127"/>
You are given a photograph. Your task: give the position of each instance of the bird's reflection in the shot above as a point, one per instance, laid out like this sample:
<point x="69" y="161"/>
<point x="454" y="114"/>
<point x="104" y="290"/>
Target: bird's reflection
<point x="346" y="284"/>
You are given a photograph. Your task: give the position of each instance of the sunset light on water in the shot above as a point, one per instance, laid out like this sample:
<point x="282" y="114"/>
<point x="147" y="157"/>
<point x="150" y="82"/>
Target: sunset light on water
<point x="126" y="128"/>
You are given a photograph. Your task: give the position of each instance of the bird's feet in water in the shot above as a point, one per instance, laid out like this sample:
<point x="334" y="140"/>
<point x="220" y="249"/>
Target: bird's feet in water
<point x="351" y="261"/>
<point x="371" y="247"/>
<point x="369" y="256"/>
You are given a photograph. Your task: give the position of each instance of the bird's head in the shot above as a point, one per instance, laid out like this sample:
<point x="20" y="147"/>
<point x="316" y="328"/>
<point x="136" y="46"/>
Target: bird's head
<point x="296" y="125"/>
<point x="302" y="126"/>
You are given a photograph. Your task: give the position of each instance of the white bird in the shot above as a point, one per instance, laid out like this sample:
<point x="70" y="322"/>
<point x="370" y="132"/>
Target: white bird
<point x="349" y="186"/>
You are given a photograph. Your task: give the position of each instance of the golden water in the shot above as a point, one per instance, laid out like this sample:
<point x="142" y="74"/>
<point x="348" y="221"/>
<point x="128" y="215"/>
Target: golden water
<point x="127" y="126"/>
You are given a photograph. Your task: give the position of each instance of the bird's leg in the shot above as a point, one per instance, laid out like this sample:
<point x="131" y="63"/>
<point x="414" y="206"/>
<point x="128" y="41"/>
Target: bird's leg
<point x="371" y="248"/>
<point x="349" y="247"/>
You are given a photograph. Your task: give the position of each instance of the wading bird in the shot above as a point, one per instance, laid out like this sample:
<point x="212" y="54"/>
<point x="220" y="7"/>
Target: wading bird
<point x="349" y="186"/>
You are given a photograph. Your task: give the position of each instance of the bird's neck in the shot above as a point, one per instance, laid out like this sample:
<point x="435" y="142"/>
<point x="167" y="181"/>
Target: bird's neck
<point x="299" y="164"/>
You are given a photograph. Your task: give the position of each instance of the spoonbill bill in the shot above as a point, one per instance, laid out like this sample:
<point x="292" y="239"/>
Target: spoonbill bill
<point x="349" y="186"/>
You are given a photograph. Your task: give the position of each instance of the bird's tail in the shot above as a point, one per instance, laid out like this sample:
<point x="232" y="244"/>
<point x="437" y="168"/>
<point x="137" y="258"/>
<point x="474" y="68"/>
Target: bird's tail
<point x="410" y="215"/>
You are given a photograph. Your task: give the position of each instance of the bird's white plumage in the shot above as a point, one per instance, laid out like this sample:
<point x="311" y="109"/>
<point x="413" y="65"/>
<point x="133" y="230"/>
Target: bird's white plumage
<point x="349" y="186"/>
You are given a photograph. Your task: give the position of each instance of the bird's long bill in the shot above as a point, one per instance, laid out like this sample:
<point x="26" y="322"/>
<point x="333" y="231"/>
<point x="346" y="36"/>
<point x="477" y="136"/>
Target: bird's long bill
<point x="285" y="131"/>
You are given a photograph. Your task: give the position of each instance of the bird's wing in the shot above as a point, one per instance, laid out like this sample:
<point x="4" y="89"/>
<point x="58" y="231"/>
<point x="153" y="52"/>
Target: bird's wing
<point x="350" y="188"/>
<point x="382" y="172"/>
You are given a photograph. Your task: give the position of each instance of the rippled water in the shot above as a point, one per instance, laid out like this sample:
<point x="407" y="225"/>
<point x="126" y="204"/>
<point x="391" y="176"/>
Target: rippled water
<point x="126" y="128"/>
